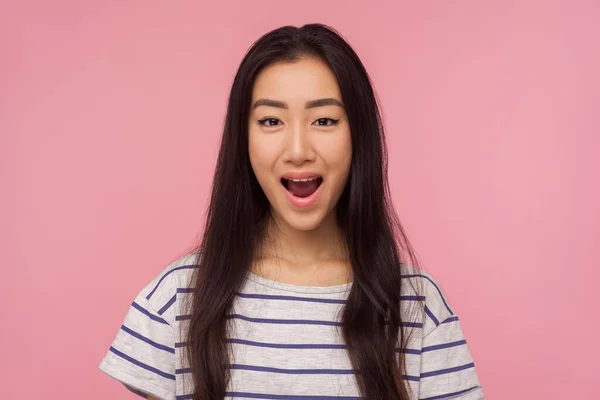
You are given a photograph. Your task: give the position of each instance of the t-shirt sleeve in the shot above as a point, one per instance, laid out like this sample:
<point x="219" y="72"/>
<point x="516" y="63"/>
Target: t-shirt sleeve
<point x="142" y="356"/>
<point x="442" y="368"/>
<point x="447" y="368"/>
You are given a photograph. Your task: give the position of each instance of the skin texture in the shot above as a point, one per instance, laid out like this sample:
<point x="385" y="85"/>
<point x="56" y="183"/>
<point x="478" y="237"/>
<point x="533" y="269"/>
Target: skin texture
<point x="294" y="135"/>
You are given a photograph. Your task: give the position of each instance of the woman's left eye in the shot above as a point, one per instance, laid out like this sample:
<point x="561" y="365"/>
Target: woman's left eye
<point x="326" y="121"/>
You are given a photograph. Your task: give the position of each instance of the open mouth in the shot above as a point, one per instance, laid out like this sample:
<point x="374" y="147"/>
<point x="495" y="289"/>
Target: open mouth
<point x="302" y="187"/>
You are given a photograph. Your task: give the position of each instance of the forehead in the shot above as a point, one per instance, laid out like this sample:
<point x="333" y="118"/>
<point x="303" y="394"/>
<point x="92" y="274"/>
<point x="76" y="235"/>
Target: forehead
<point x="298" y="81"/>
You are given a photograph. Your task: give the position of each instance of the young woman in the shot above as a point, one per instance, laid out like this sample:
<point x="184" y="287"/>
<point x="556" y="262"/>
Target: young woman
<point x="304" y="285"/>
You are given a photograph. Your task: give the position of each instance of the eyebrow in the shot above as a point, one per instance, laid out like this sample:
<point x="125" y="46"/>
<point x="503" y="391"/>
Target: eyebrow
<point x="309" y="104"/>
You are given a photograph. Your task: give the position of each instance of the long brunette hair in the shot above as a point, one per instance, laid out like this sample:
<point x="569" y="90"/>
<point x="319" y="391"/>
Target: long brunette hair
<point x="238" y="211"/>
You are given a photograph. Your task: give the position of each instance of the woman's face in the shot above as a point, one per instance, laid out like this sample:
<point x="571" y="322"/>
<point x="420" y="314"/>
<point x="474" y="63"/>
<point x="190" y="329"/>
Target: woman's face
<point x="299" y="140"/>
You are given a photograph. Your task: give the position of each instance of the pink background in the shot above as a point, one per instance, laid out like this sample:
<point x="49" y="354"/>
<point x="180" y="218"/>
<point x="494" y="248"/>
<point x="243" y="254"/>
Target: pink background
<point x="110" y="116"/>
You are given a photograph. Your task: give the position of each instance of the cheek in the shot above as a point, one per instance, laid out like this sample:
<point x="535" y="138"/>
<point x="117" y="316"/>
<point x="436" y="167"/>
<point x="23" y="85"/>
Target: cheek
<point x="337" y="153"/>
<point x="262" y="153"/>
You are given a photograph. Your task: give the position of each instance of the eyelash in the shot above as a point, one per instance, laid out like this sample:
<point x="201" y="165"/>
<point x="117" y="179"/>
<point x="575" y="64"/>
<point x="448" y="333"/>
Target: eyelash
<point x="329" y="121"/>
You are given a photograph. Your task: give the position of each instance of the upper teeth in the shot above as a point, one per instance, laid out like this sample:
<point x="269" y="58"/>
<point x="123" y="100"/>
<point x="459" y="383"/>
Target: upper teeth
<point x="303" y="180"/>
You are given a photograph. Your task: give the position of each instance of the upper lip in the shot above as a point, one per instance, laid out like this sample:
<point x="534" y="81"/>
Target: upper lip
<point x="301" y="175"/>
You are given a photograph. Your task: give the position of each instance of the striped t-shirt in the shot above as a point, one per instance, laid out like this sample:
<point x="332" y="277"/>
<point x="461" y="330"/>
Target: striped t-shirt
<point x="286" y="342"/>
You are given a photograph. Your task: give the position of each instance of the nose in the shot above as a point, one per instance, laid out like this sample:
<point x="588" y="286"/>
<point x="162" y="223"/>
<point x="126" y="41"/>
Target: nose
<point x="299" y="147"/>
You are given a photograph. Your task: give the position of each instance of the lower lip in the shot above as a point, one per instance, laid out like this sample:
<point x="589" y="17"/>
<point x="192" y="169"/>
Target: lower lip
<point x="302" y="202"/>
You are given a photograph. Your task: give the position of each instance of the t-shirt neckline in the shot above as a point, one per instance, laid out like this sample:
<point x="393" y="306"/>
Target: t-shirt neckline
<point x="289" y="287"/>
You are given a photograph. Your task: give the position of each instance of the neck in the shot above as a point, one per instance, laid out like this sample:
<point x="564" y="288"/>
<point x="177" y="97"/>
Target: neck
<point x="303" y="249"/>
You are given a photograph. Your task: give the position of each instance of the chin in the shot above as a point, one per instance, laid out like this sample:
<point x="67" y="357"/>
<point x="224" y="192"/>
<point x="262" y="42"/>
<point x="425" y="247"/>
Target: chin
<point x="303" y="222"/>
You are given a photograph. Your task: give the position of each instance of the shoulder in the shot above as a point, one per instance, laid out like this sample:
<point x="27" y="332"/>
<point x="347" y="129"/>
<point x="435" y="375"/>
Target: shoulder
<point x="439" y="359"/>
<point x="142" y="355"/>
<point x="435" y="304"/>
<point x="161" y="292"/>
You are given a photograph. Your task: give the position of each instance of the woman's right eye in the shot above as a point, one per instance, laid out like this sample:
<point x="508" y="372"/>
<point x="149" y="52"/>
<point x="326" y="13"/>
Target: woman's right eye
<point x="269" y="122"/>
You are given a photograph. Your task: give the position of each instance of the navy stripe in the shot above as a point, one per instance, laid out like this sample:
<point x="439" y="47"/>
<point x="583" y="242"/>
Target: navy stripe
<point x="409" y="351"/>
<point x="412" y="324"/>
<point x="142" y="365"/>
<point x="147" y="313"/>
<point x="145" y="339"/>
<point x="449" y="395"/>
<point x="297" y="346"/>
<point x="447" y="370"/>
<point x="292" y="371"/>
<point x="167" y="305"/>
<point x="281" y="370"/>
<point x="444" y="345"/>
<point x="312" y="299"/>
<point x="317" y="371"/>
<point x="185" y="397"/>
<point x="430" y="314"/>
<point x="412" y="298"/>
<point x="287" y="346"/>
<point x="167" y="274"/>
<point x="292" y="321"/>
<point x="434" y="284"/>
<point x="331" y="371"/>
<point x="451" y="319"/>
<point x="297" y="321"/>
<point x="291" y="298"/>
<point x="185" y="290"/>
<point x="247" y="395"/>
